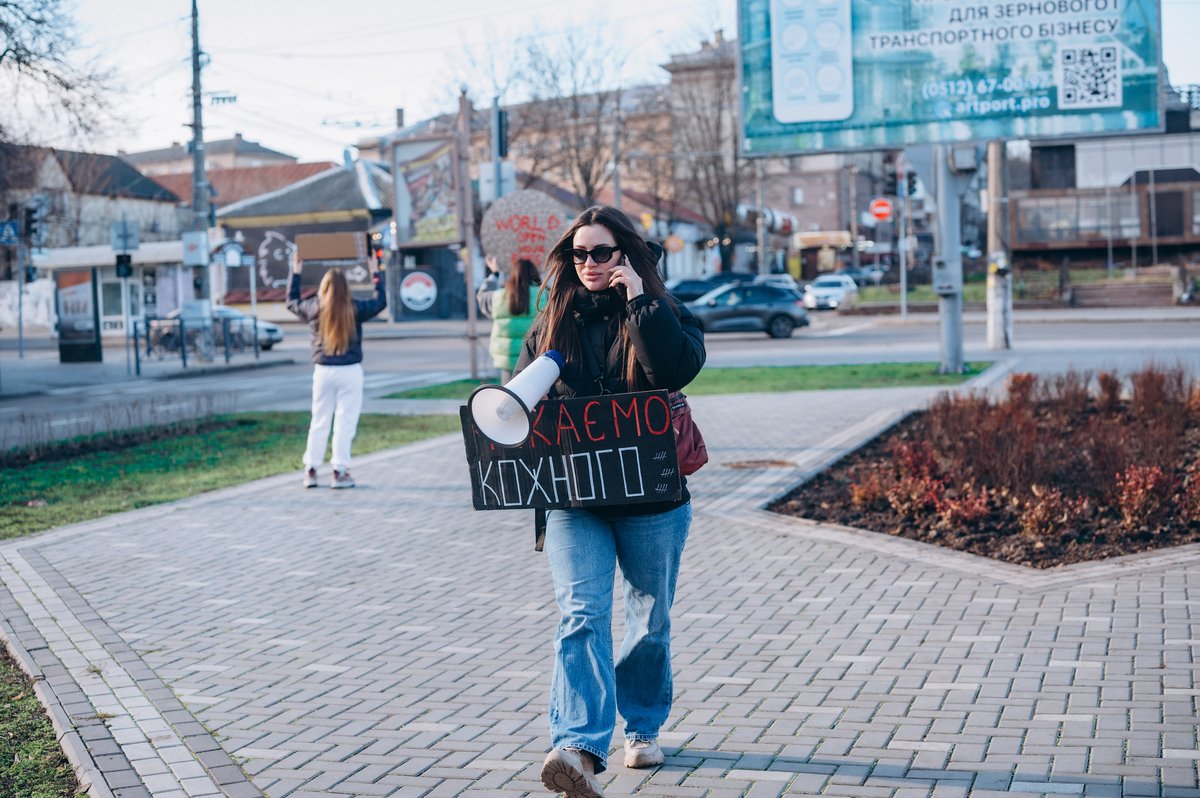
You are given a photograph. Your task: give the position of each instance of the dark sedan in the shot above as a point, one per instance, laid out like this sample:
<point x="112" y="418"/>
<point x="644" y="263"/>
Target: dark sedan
<point x="743" y="307"/>
<point x="685" y="289"/>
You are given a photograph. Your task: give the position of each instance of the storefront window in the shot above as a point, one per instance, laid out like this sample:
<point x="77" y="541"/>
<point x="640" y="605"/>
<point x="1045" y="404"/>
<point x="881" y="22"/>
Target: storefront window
<point x="110" y="299"/>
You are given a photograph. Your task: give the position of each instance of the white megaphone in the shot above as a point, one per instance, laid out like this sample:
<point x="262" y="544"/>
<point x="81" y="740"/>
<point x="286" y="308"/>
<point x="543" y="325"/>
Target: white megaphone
<point x="504" y="413"/>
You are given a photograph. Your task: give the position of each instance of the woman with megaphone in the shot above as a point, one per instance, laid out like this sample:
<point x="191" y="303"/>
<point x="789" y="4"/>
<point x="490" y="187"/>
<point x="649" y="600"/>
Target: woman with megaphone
<point x="618" y="330"/>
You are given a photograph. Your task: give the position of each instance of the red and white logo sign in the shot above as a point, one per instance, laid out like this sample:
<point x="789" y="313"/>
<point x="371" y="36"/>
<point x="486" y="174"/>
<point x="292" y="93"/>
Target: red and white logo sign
<point x="418" y="291"/>
<point x="881" y="208"/>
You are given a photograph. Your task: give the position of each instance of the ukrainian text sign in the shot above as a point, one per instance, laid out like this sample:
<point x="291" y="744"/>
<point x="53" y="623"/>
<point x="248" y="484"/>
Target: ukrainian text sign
<point x="590" y="451"/>
<point x="824" y="75"/>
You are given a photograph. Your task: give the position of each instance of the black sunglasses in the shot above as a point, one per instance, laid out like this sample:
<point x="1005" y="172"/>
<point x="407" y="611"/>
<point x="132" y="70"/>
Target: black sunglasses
<point x="600" y="254"/>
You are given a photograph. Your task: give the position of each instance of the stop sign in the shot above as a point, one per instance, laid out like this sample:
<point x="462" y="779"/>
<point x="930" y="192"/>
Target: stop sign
<point x="881" y="208"/>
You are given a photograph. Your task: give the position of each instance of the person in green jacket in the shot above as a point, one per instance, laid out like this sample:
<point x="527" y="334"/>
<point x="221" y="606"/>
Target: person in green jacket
<point x="511" y="308"/>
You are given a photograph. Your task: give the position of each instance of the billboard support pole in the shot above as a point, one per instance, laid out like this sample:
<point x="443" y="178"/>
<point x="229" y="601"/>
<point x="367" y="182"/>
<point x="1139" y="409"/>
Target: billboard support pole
<point x="953" y="175"/>
<point x="902" y="214"/>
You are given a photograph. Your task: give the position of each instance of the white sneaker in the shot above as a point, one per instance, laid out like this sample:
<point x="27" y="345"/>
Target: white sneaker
<point x="642" y="754"/>
<point x="570" y="771"/>
<point x="342" y="479"/>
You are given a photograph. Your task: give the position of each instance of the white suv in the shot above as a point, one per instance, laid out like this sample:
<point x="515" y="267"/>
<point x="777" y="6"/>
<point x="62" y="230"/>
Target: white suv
<point x="831" y="291"/>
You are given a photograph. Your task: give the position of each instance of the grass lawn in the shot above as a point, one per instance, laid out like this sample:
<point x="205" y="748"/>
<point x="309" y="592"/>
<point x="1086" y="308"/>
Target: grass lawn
<point x="231" y="450"/>
<point x="32" y="764"/>
<point x="765" y="379"/>
<point x="919" y="294"/>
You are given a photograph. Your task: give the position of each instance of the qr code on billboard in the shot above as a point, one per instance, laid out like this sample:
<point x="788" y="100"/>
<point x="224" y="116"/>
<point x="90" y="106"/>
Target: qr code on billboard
<point x="1089" y="77"/>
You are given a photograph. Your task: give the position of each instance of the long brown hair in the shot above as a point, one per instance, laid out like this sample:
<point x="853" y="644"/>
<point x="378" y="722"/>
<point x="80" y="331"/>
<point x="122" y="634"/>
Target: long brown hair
<point x="558" y="326"/>
<point x="523" y="275"/>
<point x="335" y="314"/>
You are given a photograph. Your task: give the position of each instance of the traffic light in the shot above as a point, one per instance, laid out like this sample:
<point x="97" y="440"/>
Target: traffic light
<point x="911" y="179"/>
<point x="124" y="265"/>
<point x="502" y="135"/>
<point x="889" y="184"/>
<point x="31" y="224"/>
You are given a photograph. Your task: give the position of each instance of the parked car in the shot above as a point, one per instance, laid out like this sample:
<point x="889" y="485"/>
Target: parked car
<point x="831" y="291"/>
<point x="746" y="307"/>
<point x="685" y="289"/>
<point x="780" y="280"/>
<point x="241" y="327"/>
<point x="863" y="275"/>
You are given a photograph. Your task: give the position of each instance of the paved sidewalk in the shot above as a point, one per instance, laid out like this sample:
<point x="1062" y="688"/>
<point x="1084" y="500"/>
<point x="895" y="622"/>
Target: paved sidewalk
<point x="39" y="370"/>
<point x="390" y="641"/>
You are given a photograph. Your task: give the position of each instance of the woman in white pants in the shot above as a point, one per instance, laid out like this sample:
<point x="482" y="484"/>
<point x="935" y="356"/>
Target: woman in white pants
<point x="335" y="318"/>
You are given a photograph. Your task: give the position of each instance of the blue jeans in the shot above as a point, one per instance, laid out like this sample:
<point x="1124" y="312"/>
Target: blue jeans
<point x="587" y="688"/>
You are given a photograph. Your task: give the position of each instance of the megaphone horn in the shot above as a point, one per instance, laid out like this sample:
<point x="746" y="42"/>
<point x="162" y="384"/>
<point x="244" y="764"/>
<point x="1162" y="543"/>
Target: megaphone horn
<point x="504" y="413"/>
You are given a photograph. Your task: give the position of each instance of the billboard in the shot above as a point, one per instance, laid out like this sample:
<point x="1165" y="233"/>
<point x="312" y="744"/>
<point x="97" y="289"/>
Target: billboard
<point x="839" y="75"/>
<point x="427" y="200"/>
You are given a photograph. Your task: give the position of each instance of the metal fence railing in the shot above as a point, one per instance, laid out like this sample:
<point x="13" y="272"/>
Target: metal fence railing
<point x="194" y="339"/>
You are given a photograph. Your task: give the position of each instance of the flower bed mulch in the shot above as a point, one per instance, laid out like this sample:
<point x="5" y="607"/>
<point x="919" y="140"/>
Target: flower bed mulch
<point x="1055" y="473"/>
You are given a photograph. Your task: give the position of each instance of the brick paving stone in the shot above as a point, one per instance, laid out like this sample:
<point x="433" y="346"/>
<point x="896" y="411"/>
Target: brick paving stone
<point x="393" y="642"/>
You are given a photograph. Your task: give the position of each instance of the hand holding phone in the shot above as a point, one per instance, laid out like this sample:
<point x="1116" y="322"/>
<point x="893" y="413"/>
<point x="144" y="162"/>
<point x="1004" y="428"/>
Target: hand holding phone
<point x="625" y="279"/>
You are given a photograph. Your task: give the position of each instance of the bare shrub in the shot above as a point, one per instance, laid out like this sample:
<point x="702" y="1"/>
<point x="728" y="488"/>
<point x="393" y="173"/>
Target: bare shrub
<point x="1070" y="391"/>
<point x="1048" y="513"/>
<point x="914" y="458"/>
<point x="1022" y="388"/>
<point x="1042" y="475"/>
<point x="1109" y="398"/>
<point x="869" y="487"/>
<point x="913" y="495"/>
<point x="965" y="507"/>
<point x="1143" y="497"/>
<point x="1155" y="388"/>
<point x="1189" y="495"/>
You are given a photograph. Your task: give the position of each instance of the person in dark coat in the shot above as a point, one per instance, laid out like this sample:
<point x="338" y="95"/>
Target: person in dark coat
<point x="618" y="330"/>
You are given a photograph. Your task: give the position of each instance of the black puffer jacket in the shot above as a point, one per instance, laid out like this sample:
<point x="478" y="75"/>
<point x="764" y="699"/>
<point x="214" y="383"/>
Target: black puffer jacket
<point x="669" y="348"/>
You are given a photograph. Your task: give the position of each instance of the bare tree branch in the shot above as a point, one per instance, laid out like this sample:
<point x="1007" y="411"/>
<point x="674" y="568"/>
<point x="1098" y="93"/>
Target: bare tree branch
<point x="37" y="42"/>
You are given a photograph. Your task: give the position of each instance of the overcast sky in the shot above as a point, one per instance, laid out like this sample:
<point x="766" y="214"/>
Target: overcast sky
<point x="313" y="77"/>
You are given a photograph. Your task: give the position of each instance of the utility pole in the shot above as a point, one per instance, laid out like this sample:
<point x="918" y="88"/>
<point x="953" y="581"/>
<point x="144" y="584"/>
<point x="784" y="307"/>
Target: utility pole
<point x="199" y="178"/>
<point x="854" y="216"/>
<point x="467" y="217"/>
<point x="617" y="155"/>
<point x="496" y="164"/>
<point x="761" y="224"/>
<point x="999" y="273"/>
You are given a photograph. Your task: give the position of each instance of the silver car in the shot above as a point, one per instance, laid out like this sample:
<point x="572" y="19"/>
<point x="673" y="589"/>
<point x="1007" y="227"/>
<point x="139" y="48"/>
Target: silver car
<point x="831" y="291"/>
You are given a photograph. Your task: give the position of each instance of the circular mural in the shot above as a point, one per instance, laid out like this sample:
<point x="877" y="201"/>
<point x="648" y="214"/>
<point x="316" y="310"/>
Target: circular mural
<point x="418" y="291"/>
<point x="522" y="224"/>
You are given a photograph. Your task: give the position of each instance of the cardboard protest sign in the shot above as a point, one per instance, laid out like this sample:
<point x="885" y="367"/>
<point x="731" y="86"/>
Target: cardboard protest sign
<point x="523" y="224"/>
<point x="587" y="451"/>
